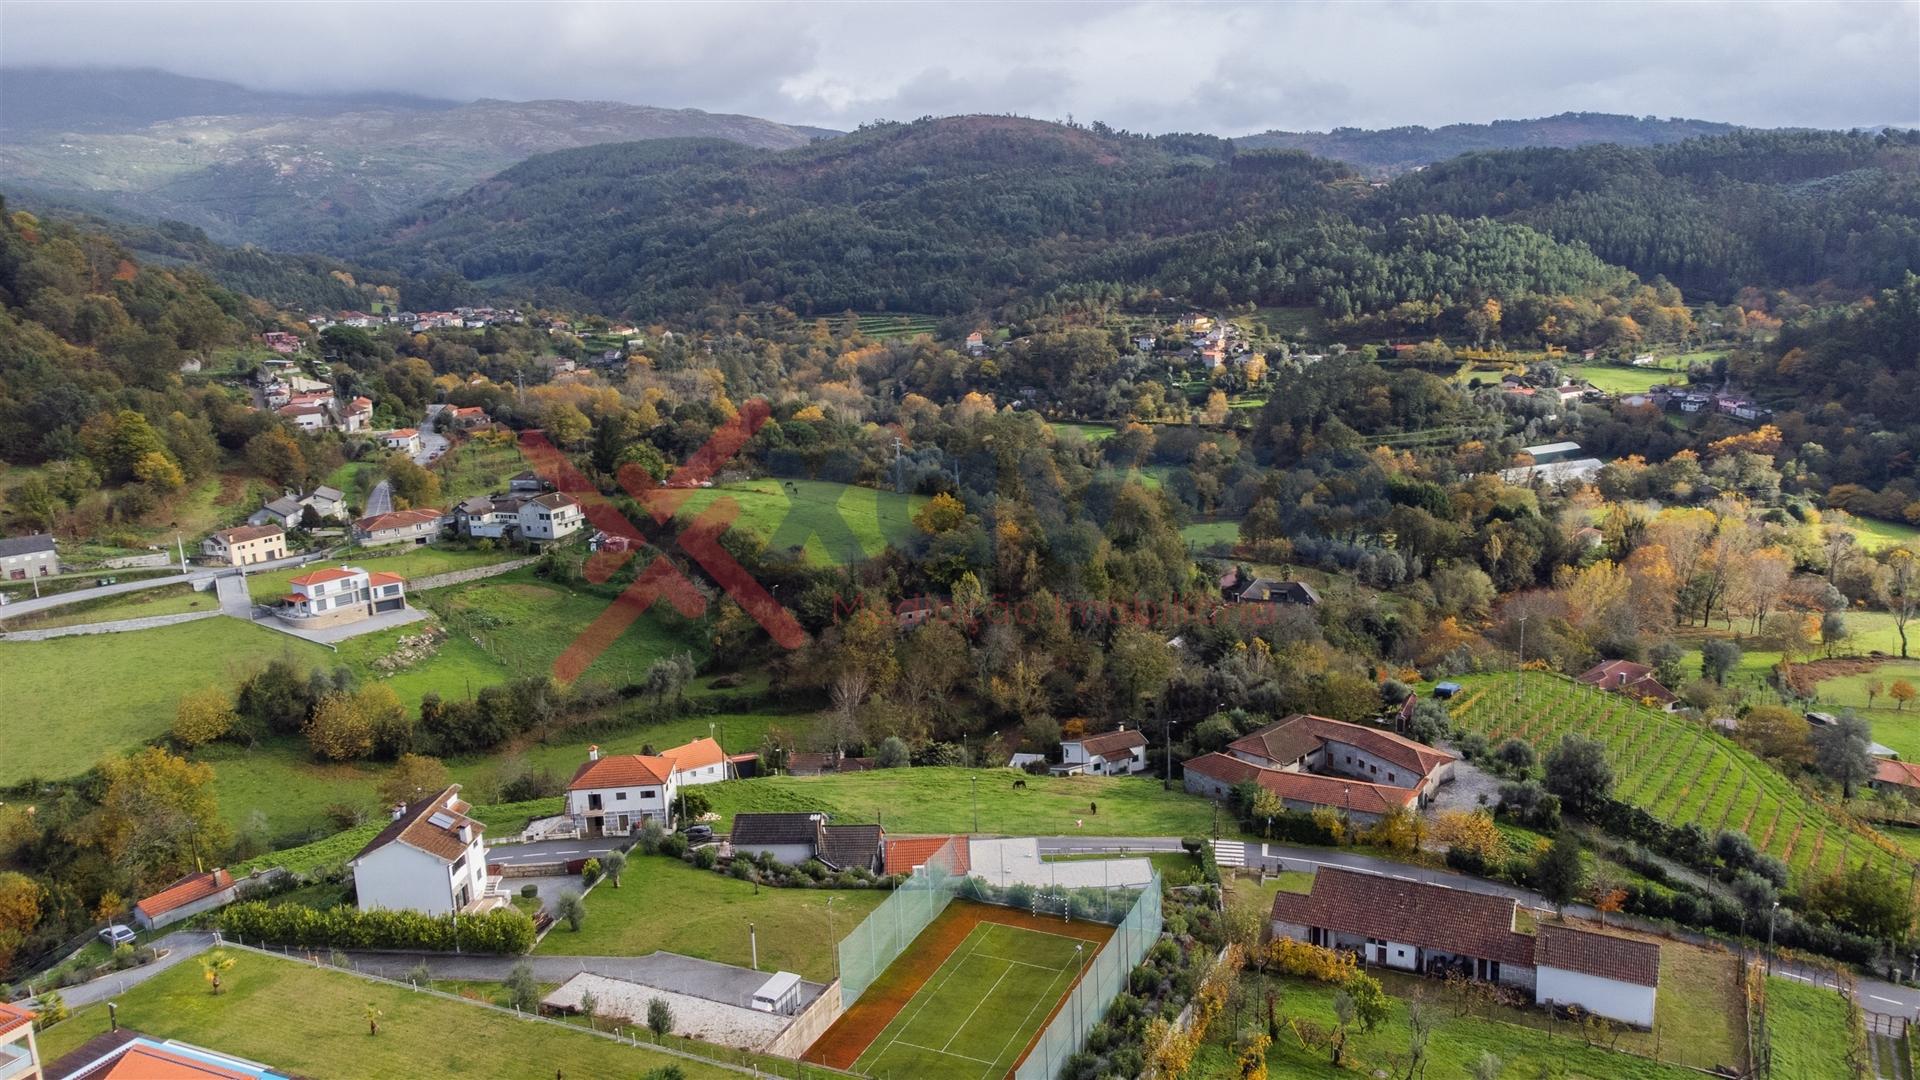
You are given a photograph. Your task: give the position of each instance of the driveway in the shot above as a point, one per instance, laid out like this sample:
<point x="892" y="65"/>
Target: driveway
<point x="180" y="947"/>
<point x="333" y="635"/>
<point x="27" y="607"/>
<point x="380" y="499"/>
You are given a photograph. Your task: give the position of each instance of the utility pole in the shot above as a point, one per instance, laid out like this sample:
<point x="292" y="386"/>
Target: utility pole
<point x="753" y="943"/>
<point x="976" y="803"/>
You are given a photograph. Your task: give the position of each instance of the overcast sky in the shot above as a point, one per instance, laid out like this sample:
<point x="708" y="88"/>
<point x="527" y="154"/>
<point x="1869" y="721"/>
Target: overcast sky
<point x="1227" y="68"/>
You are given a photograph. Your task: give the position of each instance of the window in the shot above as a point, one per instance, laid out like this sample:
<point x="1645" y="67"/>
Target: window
<point x="459" y="862"/>
<point x="649" y="795"/>
<point x="619" y="796"/>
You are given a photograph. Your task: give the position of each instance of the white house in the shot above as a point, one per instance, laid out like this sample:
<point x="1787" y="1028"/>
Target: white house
<point x="285" y="511"/>
<point x="328" y="502"/>
<point x="399" y="527"/>
<point x="550" y="516"/>
<point x="699" y="762"/>
<point x="406" y="440"/>
<point x="339" y="595"/>
<point x="430" y="858"/>
<point x="24" y="557"/>
<point x="1614" y="977"/>
<point x="1113" y="753"/>
<point x="613" y="795"/>
<point x="488" y="517"/>
<point x="19" y="1053"/>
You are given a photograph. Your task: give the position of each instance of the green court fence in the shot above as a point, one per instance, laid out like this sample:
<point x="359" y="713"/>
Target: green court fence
<point x="1098" y="986"/>
<point x="882" y="936"/>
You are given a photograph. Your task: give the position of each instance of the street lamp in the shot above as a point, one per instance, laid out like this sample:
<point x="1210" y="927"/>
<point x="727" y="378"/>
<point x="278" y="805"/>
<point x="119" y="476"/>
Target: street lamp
<point x="1770" y="917"/>
<point x="976" y="802"/>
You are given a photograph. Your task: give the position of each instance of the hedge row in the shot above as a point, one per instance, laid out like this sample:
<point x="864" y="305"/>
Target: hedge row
<point x="503" y="930"/>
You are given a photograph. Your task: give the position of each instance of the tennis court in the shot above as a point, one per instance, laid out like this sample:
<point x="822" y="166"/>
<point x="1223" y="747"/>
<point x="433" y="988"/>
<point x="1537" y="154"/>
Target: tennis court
<point x="976" y="1014"/>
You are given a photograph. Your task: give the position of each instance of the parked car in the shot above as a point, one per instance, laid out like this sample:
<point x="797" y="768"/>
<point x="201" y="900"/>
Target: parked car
<point x="117" y="935"/>
<point x="699" y="834"/>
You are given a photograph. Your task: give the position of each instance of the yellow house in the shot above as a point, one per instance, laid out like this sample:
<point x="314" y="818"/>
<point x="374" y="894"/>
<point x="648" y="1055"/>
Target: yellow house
<point x="246" y="545"/>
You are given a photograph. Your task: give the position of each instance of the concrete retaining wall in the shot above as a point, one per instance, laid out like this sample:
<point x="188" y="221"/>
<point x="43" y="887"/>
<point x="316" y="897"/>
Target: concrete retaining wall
<point x="810" y="1024"/>
<point x="477" y="573"/>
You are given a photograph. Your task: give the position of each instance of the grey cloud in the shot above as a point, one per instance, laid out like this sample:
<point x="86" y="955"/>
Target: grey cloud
<point x="1229" y="66"/>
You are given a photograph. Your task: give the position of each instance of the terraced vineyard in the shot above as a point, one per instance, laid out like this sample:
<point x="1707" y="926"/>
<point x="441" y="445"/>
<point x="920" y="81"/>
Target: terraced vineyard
<point x="1676" y="769"/>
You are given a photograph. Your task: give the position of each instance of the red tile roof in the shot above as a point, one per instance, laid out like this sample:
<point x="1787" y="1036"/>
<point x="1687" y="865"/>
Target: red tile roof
<point x="320" y="577"/>
<point x="243" y="533"/>
<point x="384" y="578"/>
<point x="396" y="520"/>
<point x="1111" y="743"/>
<point x="403" y="433"/>
<point x="183" y="892"/>
<point x="697" y="754"/>
<point x="1604" y="955"/>
<point x="906" y="852"/>
<point x="622" y="770"/>
<point x="1408" y="912"/>
<point x="418" y="828"/>
<point x="1336" y="792"/>
<point x="1903" y="773"/>
<point x="13" y="1016"/>
<point x="1286" y="741"/>
<point x="143" y="1062"/>
<point x="1625" y="676"/>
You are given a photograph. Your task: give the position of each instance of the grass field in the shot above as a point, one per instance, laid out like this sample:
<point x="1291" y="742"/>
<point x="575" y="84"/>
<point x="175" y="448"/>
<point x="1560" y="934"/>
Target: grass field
<point x="1092" y="433"/>
<point x="667" y="904"/>
<point x="306" y="1021"/>
<point x="983" y="1004"/>
<point x="1678" y="770"/>
<point x="903" y="325"/>
<point x="939" y="800"/>
<point x="132" y="681"/>
<point x="1807" y="1031"/>
<point x="407" y="562"/>
<point x="160" y="600"/>
<point x="1212" y="536"/>
<point x="476" y="467"/>
<point x="1876" y="533"/>
<point x="1456" y="1041"/>
<point x="524" y="623"/>
<point x="833" y="523"/>
<point x="1620" y="379"/>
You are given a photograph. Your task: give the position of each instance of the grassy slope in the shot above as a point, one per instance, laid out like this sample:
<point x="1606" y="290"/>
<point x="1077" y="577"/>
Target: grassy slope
<point x="1675" y="768"/>
<point x="934" y="800"/>
<point x="534" y="622"/>
<point x="664" y="903"/>
<point x="835" y="523"/>
<point x="1807" y="1030"/>
<point x="132" y="683"/>
<point x="310" y="1022"/>
<point x="407" y="562"/>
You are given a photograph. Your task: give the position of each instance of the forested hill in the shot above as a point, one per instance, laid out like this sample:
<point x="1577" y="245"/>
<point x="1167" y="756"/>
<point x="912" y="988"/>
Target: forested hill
<point x="946" y="216"/>
<point x="1713" y="215"/>
<point x="294" y="172"/>
<point x="1389" y="152"/>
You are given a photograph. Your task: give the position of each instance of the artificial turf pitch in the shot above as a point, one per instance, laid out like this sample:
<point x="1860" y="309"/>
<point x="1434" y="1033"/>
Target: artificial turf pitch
<point x="976" y="1014"/>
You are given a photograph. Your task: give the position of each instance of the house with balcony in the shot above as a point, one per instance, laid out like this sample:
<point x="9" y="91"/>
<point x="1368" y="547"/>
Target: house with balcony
<point x="616" y="794"/>
<point x="549" y="517"/>
<point x="19" y="1053"/>
<point x="430" y="858"/>
<point x="339" y="595"/>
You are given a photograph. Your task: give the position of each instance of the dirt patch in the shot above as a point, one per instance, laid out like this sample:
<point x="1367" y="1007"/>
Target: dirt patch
<point x="1803" y="678"/>
<point x="856" y="1029"/>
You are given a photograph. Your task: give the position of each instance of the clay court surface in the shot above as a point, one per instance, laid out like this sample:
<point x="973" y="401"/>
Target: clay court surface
<point x="966" y="999"/>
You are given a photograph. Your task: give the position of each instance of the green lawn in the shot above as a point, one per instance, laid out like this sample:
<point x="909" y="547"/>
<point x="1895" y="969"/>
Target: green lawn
<point x="281" y="781"/>
<point x="1877" y="533"/>
<point x="1807" y="1031"/>
<point x="1092" y="433"/>
<point x="311" y="1022"/>
<point x="940" y="800"/>
<point x="160" y="600"/>
<point x="477" y="467"/>
<point x="409" y="563"/>
<point x="667" y="904"/>
<point x="525" y="623"/>
<point x="1455" y="1042"/>
<point x="1675" y="768"/>
<point x="1212" y="536"/>
<point x="979" y="1009"/>
<point x="1621" y="379"/>
<point x="833" y="523"/>
<point x="131" y="683"/>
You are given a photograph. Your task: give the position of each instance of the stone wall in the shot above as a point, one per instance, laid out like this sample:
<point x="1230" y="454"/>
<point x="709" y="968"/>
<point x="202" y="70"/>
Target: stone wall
<point x="459" y="577"/>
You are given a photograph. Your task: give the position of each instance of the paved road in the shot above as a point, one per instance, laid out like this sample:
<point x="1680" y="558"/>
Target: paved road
<point x="546" y="851"/>
<point x="27" y="607"/>
<point x="380" y="499"/>
<point x="1072" y="845"/>
<point x="180" y="947"/>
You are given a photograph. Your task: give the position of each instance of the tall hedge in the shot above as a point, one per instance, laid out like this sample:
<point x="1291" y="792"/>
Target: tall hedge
<point x="502" y="930"/>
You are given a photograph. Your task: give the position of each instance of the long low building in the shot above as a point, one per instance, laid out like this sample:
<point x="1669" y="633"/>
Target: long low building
<point x="1312" y="762"/>
<point x="1434" y="929"/>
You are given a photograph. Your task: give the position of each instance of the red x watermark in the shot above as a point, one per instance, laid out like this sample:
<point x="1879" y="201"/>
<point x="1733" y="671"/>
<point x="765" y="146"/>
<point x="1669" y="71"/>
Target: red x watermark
<point x="700" y="539"/>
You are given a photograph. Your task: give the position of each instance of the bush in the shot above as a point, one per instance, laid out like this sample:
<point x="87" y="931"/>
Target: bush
<point x="673" y="845"/>
<point x="529" y="891"/>
<point x="503" y="930"/>
<point x="705" y="857"/>
<point x="590" y="872"/>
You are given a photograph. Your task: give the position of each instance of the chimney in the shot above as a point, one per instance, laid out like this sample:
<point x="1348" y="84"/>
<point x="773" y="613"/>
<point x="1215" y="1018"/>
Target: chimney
<point x="593" y="753"/>
<point x="466" y="834"/>
<point x="1123" y="725"/>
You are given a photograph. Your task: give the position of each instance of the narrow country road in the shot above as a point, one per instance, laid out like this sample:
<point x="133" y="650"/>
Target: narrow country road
<point x="28" y="607"/>
<point x="180" y="947"/>
<point x="546" y="851"/>
<point x="380" y="499"/>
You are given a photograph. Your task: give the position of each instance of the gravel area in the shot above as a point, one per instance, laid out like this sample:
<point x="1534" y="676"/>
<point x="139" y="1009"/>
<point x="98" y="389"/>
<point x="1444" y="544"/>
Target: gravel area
<point x="1469" y="783"/>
